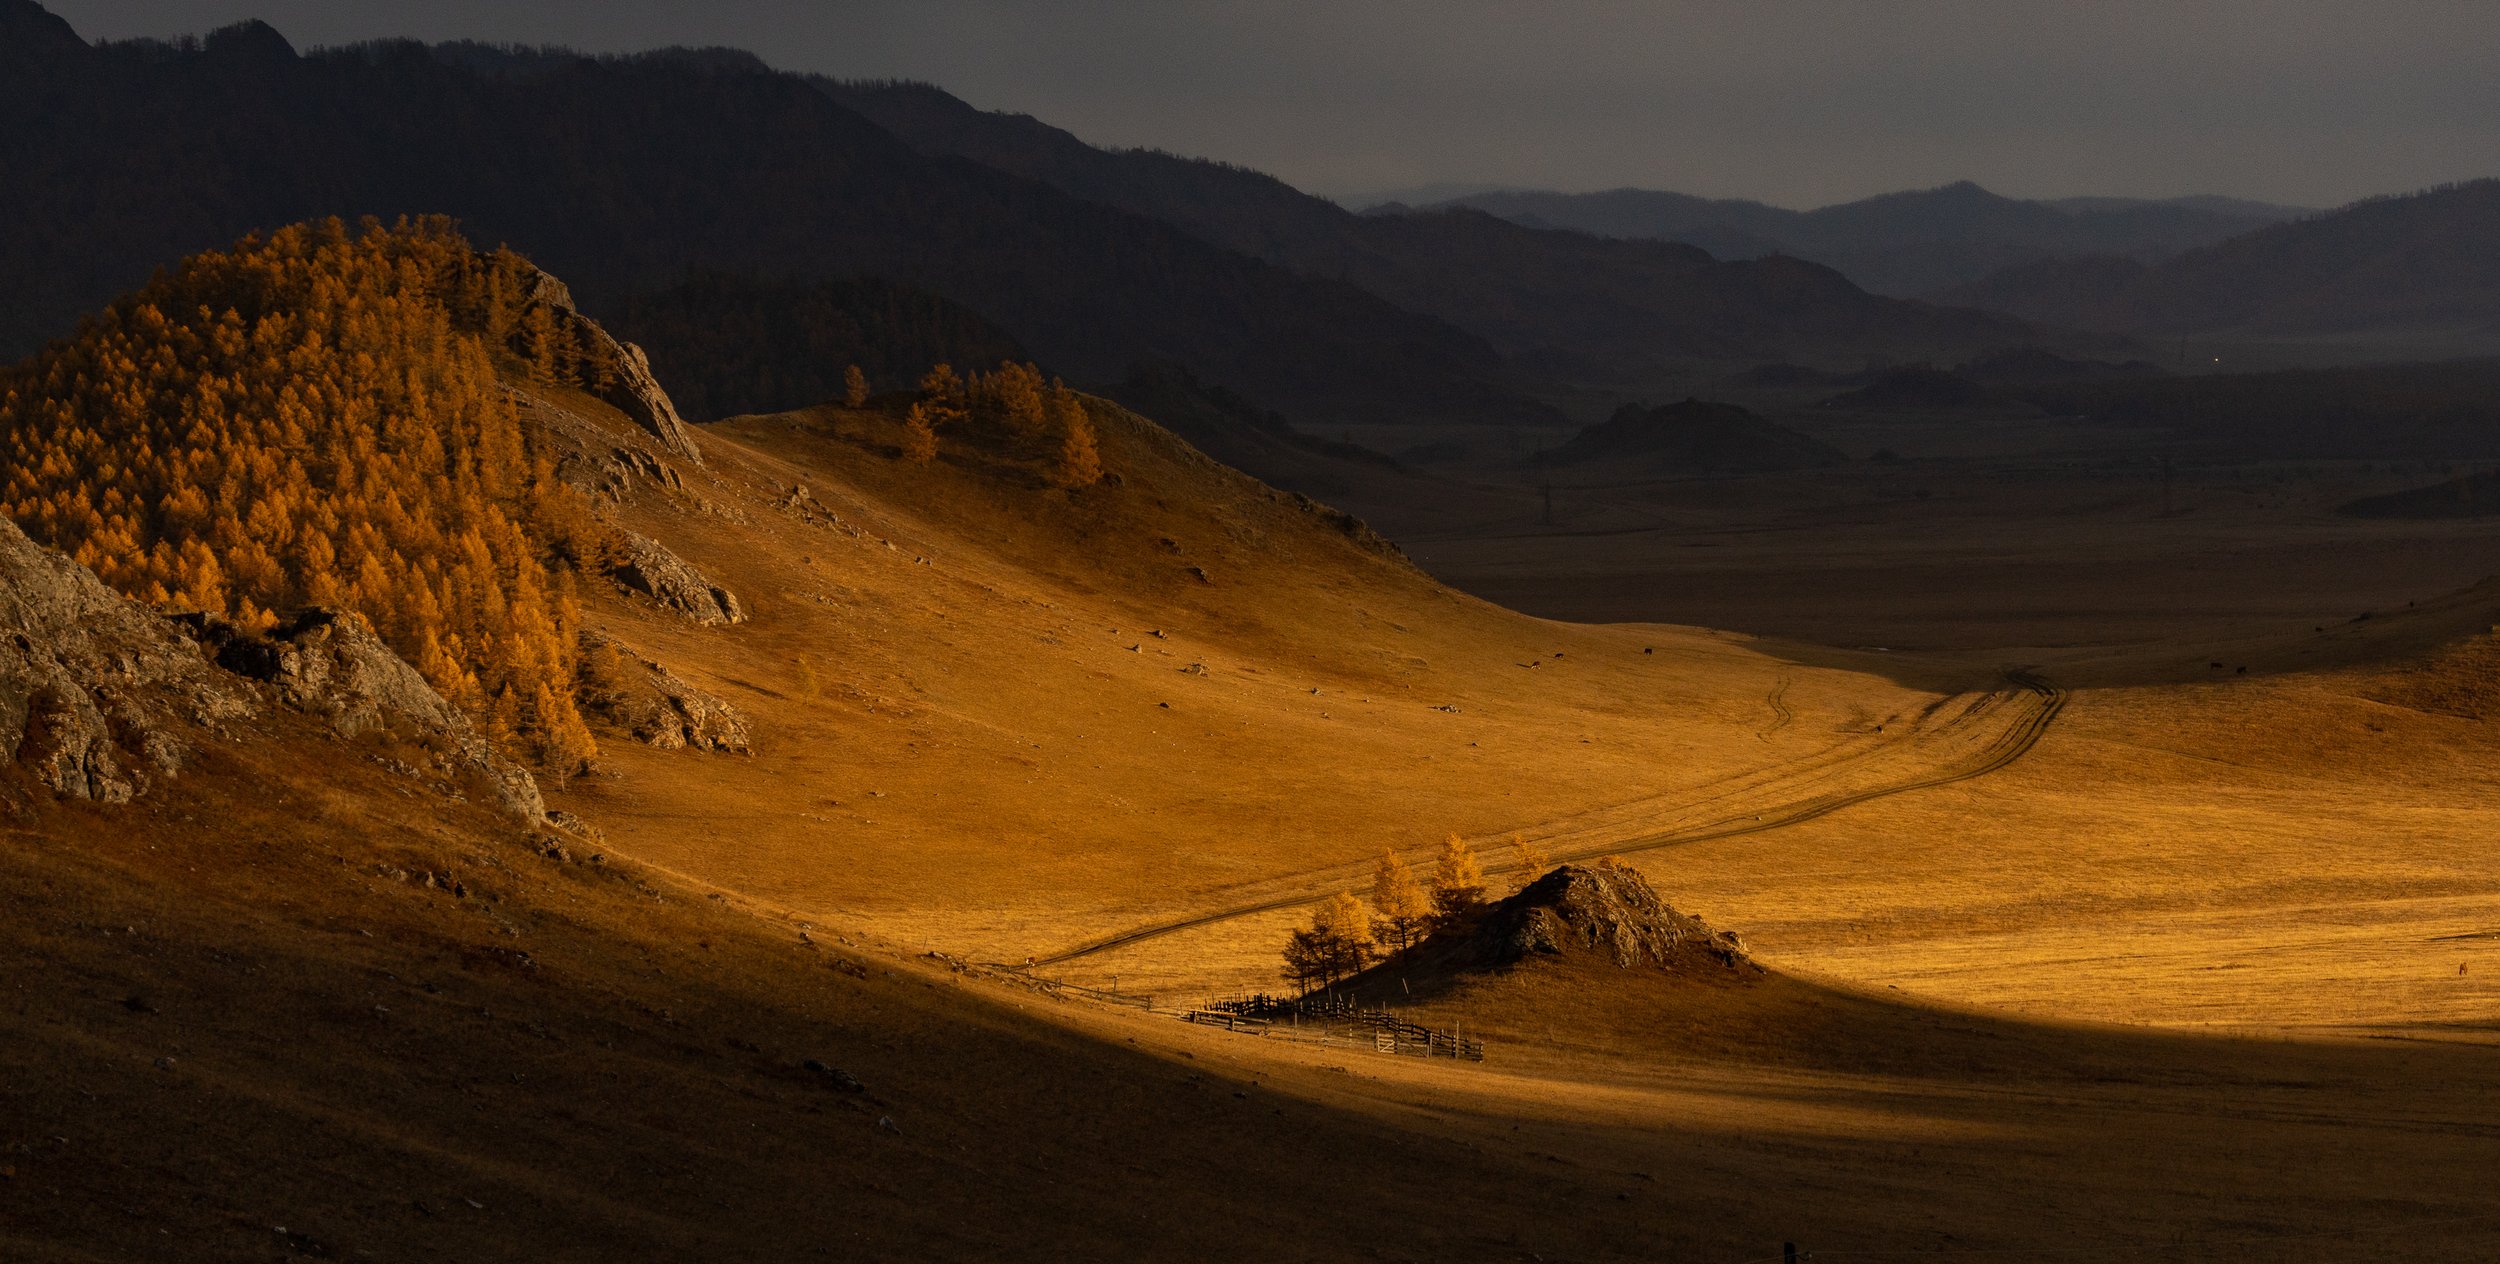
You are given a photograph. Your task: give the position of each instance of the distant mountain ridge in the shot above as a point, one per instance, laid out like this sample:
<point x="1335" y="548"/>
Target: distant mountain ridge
<point x="2426" y="259"/>
<point x="1576" y="305"/>
<point x="629" y="175"/>
<point x="1907" y="243"/>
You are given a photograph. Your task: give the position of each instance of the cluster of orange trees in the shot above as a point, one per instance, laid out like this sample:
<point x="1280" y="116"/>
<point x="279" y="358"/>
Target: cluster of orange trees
<point x="1017" y="400"/>
<point x="315" y="417"/>
<point x="1345" y="935"/>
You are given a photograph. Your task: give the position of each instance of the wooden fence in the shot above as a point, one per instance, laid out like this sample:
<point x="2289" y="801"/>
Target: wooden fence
<point x="1093" y="994"/>
<point x="1337" y="1020"/>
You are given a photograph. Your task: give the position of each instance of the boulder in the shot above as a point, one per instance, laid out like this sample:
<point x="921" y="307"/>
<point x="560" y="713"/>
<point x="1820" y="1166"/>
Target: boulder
<point x="655" y="706"/>
<point x="643" y="565"/>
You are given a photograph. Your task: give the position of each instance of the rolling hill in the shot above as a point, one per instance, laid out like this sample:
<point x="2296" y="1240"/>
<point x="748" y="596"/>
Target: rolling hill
<point x="320" y="980"/>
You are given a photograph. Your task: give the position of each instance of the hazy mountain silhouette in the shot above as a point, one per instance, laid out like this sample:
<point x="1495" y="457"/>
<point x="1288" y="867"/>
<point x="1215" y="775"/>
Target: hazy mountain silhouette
<point x="1909" y="243"/>
<point x="2426" y="260"/>
<point x="1575" y="303"/>
<point x="630" y="174"/>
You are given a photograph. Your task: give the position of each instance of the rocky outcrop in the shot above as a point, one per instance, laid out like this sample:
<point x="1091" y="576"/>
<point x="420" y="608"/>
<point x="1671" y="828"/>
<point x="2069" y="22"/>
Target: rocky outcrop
<point x="642" y="565"/>
<point x="1604" y="908"/>
<point x="655" y="706"/>
<point x="96" y="694"/>
<point x="635" y="392"/>
<point x="330" y="664"/>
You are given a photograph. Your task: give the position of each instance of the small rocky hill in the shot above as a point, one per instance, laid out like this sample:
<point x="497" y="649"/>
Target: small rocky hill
<point x="1599" y="913"/>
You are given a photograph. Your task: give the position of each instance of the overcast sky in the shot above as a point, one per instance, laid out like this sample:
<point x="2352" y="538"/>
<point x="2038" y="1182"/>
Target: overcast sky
<point x="1797" y="102"/>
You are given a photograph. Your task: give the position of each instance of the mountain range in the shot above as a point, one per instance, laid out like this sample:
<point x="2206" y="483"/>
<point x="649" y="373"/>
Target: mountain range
<point x="2421" y="261"/>
<point x="1908" y="243"/>
<point x="634" y="175"/>
<point x="1580" y="306"/>
<point x="631" y="174"/>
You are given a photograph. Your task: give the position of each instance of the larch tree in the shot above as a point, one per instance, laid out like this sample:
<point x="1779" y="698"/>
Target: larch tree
<point x="1011" y="395"/>
<point x="1348" y="928"/>
<point x="1457" y="880"/>
<point x="1307" y="958"/>
<point x="920" y="440"/>
<point x="1399" y="901"/>
<point x="320" y="416"/>
<point x="1337" y="944"/>
<point x="1533" y="860"/>
<point x="940" y="386"/>
<point x="1078" y="462"/>
<point x="854" y="388"/>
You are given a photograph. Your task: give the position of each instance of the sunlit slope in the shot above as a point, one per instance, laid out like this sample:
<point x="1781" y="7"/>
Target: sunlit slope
<point x="1006" y="718"/>
<point x="2312" y="849"/>
<point x="280" y="1007"/>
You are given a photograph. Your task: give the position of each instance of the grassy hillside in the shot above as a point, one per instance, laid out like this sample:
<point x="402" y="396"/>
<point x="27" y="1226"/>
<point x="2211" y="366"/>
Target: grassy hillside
<point x="323" y="995"/>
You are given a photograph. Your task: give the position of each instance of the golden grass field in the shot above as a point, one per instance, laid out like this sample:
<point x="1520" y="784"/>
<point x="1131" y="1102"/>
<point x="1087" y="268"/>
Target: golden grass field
<point x="2179" y="981"/>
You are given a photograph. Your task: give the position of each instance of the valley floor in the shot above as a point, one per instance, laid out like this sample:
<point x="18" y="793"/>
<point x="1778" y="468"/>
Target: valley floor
<point x="2083" y="949"/>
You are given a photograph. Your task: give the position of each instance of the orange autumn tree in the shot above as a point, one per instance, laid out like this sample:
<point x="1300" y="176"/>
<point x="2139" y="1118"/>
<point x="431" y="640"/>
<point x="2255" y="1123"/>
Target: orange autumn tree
<point x="315" y="417"/>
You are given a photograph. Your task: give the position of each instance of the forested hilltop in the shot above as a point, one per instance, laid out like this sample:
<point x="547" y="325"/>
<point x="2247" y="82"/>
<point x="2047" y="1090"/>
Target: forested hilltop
<point x="316" y="418"/>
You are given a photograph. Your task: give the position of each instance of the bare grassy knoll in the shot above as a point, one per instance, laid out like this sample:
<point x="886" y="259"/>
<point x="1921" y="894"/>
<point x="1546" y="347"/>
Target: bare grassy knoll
<point x="1002" y="719"/>
<point x="1005" y="779"/>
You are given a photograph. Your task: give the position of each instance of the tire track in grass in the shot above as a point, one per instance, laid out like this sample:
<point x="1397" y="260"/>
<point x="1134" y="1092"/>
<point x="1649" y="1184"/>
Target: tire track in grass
<point x="2040" y="700"/>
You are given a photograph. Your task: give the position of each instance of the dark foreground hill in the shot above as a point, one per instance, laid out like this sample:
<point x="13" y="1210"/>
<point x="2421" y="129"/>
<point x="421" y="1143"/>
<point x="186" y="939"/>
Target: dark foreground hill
<point x="625" y="175"/>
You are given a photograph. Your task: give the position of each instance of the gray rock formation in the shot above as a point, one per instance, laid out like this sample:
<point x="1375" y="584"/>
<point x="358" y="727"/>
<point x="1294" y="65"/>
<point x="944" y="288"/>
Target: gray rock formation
<point x="96" y="693"/>
<point x="330" y="664"/>
<point x="642" y="565"/>
<point x="636" y="393"/>
<point x="656" y="706"/>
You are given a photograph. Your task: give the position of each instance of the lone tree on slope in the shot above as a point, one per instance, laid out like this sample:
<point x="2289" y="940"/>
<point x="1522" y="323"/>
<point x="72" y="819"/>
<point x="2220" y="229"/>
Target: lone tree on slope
<point x="920" y="441"/>
<point x="1533" y="860"/>
<point x="1079" y="462"/>
<point x="1457" y="880"/>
